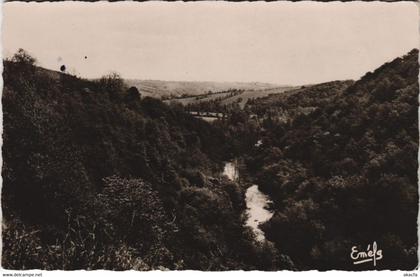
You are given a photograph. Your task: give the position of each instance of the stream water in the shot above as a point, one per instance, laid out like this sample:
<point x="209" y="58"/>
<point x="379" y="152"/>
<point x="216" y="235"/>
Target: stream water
<point x="231" y="171"/>
<point x="256" y="202"/>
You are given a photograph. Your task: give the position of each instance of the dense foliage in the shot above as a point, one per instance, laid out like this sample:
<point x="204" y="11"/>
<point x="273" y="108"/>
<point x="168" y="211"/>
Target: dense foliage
<point x="340" y="162"/>
<point x="95" y="177"/>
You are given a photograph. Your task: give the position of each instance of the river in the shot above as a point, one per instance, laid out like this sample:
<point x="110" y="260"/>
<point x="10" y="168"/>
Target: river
<point x="256" y="202"/>
<point x="231" y="171"/>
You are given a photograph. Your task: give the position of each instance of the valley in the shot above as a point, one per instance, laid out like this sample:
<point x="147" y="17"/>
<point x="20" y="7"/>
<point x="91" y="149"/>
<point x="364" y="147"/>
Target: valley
<point x="116" y="179"/>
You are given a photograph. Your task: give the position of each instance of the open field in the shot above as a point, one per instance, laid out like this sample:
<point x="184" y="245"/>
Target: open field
<point x="240" y="98"/>
<point x="248" y="94"/>
<point x="157" y="88"/>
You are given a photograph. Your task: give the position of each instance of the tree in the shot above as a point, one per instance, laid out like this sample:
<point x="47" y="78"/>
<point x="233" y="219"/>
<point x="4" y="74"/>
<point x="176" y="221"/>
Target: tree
<point x="112" y="82"/>
<point x="22" y="57"/>
<point x="133" y="94"/>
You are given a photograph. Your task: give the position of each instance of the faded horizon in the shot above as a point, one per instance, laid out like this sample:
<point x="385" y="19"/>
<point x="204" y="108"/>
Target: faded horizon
<point x="279" y="42"/>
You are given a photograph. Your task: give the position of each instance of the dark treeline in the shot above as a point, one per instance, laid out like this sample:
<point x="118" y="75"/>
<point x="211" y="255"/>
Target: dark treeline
<point x="339" y="161"/>
<point x="95" y="177"/>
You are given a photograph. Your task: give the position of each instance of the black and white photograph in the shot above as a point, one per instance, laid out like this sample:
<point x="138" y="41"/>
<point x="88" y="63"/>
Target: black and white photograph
<point x="209" y="136"/>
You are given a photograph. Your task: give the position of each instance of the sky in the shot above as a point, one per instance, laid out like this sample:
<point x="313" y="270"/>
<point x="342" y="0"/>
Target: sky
<point x="278" y="42"/>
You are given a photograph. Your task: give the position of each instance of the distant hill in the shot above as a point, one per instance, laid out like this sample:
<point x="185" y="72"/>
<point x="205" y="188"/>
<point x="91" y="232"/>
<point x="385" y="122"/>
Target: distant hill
<point x="250" y="94"/>
<point x="229" y="99"/>
<point x="305" y="96"/>
<point x="158" y="88"/>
